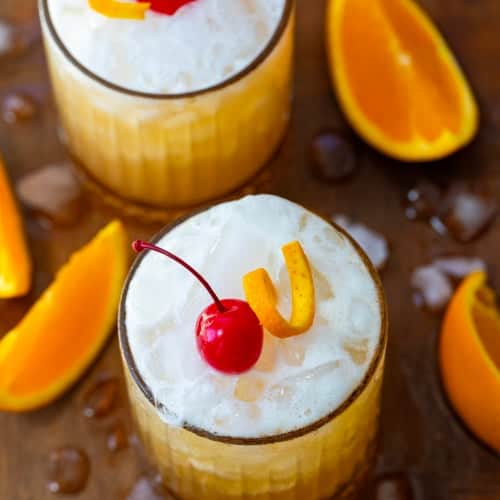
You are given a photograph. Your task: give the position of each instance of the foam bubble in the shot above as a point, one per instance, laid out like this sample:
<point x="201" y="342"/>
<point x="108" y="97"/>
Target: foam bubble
<point x="300" y="379"/>
<point x="204" y="43"/>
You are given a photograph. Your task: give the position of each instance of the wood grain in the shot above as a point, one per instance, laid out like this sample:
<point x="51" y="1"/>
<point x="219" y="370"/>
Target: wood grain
<point x="421" y="437"/>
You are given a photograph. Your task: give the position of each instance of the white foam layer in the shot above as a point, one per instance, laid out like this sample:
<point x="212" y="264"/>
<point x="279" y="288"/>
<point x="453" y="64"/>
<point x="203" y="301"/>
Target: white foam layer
<point x="307" y="376"/>
<point x="203" y="44"/>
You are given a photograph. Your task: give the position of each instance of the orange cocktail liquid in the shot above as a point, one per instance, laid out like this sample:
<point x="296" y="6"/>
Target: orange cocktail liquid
<point x="331" y="461"/>
<point x="173" y="151"/>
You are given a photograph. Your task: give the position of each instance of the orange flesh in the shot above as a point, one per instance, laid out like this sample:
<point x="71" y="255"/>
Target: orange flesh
<point x="487" y="320"/>
<point x="66" y="327"/>
<point x="403" y="63"/>
<point x="69" y="330"/>
<point x="469" y="356"/>
<point x="15" y="261"/>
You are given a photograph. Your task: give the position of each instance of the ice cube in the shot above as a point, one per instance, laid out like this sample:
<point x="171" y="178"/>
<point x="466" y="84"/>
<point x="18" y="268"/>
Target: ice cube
<point x="147" y="488"/>
<point x="54" y="192"/>
<point x="18" y="107"/>
<point x="434" y="289"/>
<point x="293" y="352"/>
<point x="6" y="38"/>
<point x="14" y="40"/>
<point x="249" y="388"/>
<point x="466" y="214"/>
<point x="285" y="388"/>
<point x="333" y="157"/>
<point x="373" y="243"/>
<point x="357" y="349"/>
<point x="267" y="360"/>
<point x="279" y="392"/>
<point x="361" y="316"/>
<point x="322" y="286"/>
<point x="459" y="267"/>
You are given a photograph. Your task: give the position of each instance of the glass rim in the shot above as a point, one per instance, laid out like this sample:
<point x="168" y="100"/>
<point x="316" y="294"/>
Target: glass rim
<point x="269" y="439"/>
<point x="242" y="73"/>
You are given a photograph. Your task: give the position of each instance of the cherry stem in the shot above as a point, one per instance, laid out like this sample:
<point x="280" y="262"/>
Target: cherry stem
<point x="140" y="245"/>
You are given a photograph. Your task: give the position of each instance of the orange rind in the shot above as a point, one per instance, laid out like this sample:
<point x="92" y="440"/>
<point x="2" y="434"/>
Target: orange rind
<point x="396" y="79"/>
<point x="15" y="260"/>
<point x="120" y="10"/>
<point x="47" y="352"/>
<point x="262" y="297"/>
<point x="469" y="357"/>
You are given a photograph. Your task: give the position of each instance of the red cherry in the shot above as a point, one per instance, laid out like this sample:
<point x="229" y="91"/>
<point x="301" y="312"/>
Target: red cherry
<point x="229" y="335"/>
<point x="169" y="7"/>
<point x="229" y="341"/>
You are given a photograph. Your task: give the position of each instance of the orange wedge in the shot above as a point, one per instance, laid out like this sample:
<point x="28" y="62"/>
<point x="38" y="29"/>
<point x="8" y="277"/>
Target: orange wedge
<point x="396" y="79"/>
<point x="261" y="295"/>
<point x="15" y="260"/>
<point x="67" y="327"/>
<point x="469" y="356"/>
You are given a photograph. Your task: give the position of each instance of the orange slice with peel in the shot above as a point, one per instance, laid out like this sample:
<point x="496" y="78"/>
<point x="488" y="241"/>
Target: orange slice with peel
<point x="15" y="260"/>
<point x="67" y="327"/>
<point x="469" y="356"/>
<point x="262" y="297"/>
<point x="396" y="79"/>
<point x="120" y="10"/>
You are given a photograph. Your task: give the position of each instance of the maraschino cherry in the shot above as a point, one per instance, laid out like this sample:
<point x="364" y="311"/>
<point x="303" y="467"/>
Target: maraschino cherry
<point x="229" y="335"/>
<point x="169" y="7"/>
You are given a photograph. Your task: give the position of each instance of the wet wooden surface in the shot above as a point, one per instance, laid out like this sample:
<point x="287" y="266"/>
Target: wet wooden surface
<point x="421" y="438"/>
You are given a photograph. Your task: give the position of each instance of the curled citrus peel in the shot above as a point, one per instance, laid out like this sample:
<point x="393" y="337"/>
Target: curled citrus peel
<point x="262" y="297"/>
<point x="120" y="10"/>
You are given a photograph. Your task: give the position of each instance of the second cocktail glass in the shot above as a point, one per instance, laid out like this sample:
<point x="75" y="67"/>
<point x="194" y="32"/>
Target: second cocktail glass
<point x="174" y="150"/>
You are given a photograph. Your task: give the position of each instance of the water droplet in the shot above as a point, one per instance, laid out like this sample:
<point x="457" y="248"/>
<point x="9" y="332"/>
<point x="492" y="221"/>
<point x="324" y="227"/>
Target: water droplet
<point x="100" y="398"/>
<point x="333" y="157"/>
<point x="53" y="192"/>
<point x="69" y="470"/>
<point x="466" y="214"/>
<point x="117" y="437"/>
<point x="17" y="107"/>
<point x="422" y="201"/>
<point x="249" y="388"/>
<point x="393" y="487"/>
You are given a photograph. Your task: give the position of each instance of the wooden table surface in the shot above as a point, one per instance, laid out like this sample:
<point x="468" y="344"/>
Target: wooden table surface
<point x="421" y="438"/>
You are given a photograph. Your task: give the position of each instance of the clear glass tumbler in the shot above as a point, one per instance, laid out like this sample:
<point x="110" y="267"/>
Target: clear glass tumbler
<point x="328" y="459"/>
<point x="174" y="150"/>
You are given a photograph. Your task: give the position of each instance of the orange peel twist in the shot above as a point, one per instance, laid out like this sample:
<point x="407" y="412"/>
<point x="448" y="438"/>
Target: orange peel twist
<point x="120" y="10"/>
<point x="262" y="297"/>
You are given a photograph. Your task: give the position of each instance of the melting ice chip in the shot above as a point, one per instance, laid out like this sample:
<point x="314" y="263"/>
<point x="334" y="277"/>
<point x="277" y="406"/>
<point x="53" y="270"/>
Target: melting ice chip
<point x="433" y="286"/>
<point x="466" y="214"/>
<point x="54" y="192"/>
<point x="6" y="38"/>
<point x="459" y="267"/>
<point x="434" y="282"/>
<point x="373" y="243"/>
